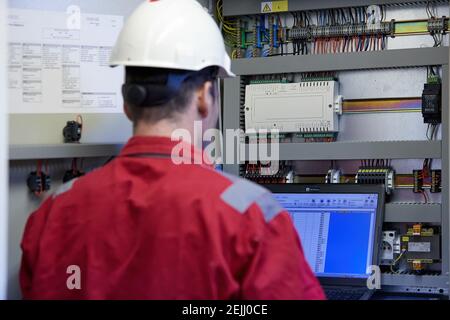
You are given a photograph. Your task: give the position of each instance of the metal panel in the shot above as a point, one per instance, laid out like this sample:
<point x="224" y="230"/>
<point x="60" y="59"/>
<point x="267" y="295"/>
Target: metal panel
<point x="359" y="150"/>
<point x="413" y="212"/>
<point x="415" y="281"/>
<point x="63" y="151"/>
<point x="231" y="103"/>
<point x="445" y="171"/>
<point x="342" y="61"/>
<point x="3" y="156"/>
<point x="22" y="203"/>
<point x="248" y="7"/>
<point x="47" y="128"/>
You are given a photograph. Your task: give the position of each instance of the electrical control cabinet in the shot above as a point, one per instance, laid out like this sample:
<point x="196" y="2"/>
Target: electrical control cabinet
<point x="393" y="127"/>
<point x="310" y="106"/>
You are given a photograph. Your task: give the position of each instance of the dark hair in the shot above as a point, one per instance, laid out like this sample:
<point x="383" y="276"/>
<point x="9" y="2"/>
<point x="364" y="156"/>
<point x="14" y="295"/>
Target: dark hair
<point x="177" y="103"/>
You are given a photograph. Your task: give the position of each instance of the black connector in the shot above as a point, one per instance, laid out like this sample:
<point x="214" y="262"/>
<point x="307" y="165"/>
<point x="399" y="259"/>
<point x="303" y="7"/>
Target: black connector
<point x="72" y="132"/>
<point x="436" y="181"/>
<point x="72" y="174"/>
<point x="34" y="182"/>
<point x="431" y="103"/>
<point x="38" y="182"/>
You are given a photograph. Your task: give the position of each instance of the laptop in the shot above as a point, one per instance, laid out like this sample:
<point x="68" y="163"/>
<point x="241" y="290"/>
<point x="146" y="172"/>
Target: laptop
<point x="340" y="229"/>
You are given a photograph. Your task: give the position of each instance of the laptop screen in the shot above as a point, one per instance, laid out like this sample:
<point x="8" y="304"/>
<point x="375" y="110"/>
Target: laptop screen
<point x="337" y="231"/>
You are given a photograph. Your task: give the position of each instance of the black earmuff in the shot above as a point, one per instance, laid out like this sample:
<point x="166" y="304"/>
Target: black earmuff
<point x="147" y="95"/>
<point x="134" y="94"/>
<point x="151" y="94"/>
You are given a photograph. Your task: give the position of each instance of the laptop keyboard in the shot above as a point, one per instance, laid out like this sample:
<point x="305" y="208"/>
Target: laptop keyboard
<point x="344" y="293"/>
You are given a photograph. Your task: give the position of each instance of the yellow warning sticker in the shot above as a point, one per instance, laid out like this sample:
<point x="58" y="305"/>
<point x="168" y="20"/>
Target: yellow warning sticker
<point x="274" y="6"/>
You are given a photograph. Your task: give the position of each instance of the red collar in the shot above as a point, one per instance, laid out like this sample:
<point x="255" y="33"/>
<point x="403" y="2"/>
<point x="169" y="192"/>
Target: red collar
<point x="161" y="146"/>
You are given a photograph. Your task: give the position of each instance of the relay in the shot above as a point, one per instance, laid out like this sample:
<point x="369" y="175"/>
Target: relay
<point x="431" y="103"/>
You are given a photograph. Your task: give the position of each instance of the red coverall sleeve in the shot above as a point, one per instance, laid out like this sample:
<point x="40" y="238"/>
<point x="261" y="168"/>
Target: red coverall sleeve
<point x="278" y="269"/>
<point x="30" y="247"/>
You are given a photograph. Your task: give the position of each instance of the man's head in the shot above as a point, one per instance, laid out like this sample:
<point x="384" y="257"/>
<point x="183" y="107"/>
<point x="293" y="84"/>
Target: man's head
<point x="153" y="96"/>
<point x="152" y="46"/>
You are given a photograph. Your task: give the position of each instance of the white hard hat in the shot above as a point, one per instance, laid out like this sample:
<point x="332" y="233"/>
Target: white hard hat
<point x="171" y="34"/>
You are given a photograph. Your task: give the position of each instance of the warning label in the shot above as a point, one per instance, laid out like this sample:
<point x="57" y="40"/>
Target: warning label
<point x="267" y="7"/>
<point x="274" y="6"/>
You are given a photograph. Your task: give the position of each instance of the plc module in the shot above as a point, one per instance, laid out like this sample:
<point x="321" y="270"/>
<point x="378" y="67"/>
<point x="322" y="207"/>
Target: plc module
<point x="312" y="106"/>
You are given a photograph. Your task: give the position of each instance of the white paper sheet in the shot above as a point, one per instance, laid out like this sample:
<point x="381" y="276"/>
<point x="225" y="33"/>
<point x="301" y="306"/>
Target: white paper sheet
<point x="60" y="65"/>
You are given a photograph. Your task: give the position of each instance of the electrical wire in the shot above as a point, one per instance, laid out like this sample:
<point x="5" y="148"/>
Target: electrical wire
<point x="80" y="122"/>
<point x="328" y="18"/>
<point x="229" y="28"/>
<point x="394" y="263"/>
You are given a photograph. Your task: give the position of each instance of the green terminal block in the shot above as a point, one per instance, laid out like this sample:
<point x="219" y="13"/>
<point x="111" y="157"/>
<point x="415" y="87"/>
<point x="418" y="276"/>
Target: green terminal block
<point x="269" y="81"/>
<point x="318" y="79"/>
<point x="243" y="40"/>
<point x="272" y="135"/>
<point x="433" y="79"/>
<point x="316" y="135"/>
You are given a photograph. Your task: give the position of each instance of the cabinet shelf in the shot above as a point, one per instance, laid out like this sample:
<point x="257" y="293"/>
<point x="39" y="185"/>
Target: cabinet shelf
<point x="359" y="150"/>
<point x="62" y="151"/>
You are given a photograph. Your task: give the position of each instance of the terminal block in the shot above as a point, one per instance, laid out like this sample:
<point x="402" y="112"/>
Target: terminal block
<point x="349" y="30"/>
<point x="437" y="25"/>
<point x="436" y="181"/>
<point x="377" y="175"/>
<point x="418" y="181"/>
<point x="268" y="173"/>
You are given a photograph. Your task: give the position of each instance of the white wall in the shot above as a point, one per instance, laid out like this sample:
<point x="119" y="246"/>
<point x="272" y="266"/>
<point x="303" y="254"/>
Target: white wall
<point x="48" y="130"/>
<point x="3" y="154"/>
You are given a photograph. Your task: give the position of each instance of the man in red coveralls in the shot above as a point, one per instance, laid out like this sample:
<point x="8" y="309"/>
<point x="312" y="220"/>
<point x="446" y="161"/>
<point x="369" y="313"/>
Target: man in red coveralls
<point x="144" y="227"/>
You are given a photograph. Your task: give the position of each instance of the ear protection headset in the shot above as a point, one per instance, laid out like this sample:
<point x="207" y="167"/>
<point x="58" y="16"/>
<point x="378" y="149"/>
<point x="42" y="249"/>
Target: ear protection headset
<point x="144" y="94"/>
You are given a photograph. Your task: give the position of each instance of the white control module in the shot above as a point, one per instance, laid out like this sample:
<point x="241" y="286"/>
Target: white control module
<point x="306" y="107"/>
